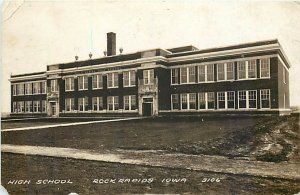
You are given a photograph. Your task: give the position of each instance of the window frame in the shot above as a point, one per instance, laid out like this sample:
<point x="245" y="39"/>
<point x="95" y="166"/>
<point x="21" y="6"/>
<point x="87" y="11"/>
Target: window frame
<point x="261" y="98"/>
<point x="268" y="68"/>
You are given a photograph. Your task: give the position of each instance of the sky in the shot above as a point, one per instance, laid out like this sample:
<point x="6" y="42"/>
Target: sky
<point x="38" y="33"/>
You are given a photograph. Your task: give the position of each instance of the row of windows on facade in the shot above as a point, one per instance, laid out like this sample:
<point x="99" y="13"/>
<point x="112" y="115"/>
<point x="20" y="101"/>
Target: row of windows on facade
<point x="29" y="88"/>
<point x="247" y="99"/>
<point x="225" y="72"/>
<point x="29" y="106"/>
<point x="97" y="103"/>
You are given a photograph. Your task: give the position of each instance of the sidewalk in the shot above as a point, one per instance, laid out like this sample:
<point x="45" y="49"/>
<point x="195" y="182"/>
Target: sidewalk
<point x="217" y="164"/>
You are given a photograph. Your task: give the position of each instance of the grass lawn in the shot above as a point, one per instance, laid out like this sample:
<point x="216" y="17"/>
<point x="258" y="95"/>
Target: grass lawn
<point x="152" y="133"/>
<point x="82" y="173"/>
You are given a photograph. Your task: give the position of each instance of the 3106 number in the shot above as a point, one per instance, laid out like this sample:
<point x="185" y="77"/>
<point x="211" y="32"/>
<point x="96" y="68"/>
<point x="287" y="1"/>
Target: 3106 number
<point x="210" y="180"/>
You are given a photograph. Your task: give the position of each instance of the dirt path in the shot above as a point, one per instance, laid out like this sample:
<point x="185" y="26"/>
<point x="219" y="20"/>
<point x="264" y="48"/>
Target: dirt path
<point x="160" y="159"/>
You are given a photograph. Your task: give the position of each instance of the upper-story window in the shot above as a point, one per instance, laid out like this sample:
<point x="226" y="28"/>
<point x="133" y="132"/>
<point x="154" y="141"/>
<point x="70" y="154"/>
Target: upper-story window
<point x="43" y="86"/>
<point x="225" y="71"/>
<point x="112" y="80"/>
<point x="129" y="78"/>
<point x="20" y="89"/>
<point x="28" y="88"/>
<point x="187" y="75"/>
<point x="53" y="85"/>
<point x="83" y="83"/>
<point x="97" y="81"/>
<point x="184" y="75"/>
<point x="265" y="68"/>
<point x="241" y="66"/>
<point x="174" y="76"/>
<point x="206" y="73"/>
<point x="252" y="69"/>
<point x="148" y="76"/>
<point x="69" y="84"/>
<point x="36" y="88"/>
<point x="14" y="89"/>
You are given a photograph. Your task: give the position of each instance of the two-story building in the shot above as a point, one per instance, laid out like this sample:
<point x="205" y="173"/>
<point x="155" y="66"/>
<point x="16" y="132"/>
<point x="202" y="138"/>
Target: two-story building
<point x="250" y="78"/>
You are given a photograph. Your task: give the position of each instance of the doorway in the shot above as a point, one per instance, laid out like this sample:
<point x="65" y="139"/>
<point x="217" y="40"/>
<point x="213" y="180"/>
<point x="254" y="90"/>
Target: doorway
<point x="53" y="110"/>
<point x="147" y="109"/>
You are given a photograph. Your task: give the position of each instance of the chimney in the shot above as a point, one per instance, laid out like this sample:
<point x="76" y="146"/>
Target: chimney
<point x="111" y="43"/>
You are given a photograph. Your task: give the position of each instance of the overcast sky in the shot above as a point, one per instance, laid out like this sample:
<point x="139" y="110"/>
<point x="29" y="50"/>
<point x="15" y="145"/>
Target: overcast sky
<point x="39" y="33"/>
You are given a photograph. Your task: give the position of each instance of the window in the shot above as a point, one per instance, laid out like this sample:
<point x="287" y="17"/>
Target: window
<point x="20" y="89"/>
<point x="265" y="68"/>
<point x="97" y="103"/>
<point x="230" y="71"/>
<point x="202" y="101"/>
<point x="14" y="89"/>
<point x="175" y="102"/>
<point x="225" y="71"/>
<point x="36" y="106"/>
<point x="184" y="104"/>
<point x="188" y="101"/>
<point x="129" y="78"/>
<point x="221" y="100"/>
<point x="210" y="100"/>
<point x="112" y="80"/>
<point x="226" y="100"/>
<point x="83" y="104"/>
<point x="113" y="103"/>
<point x="14" y="109"/>
<point x="82" y="83"/>
<point x="252" y="69"/>
<point x="265" y="98"/>
<point x="221" y="72"/>
<point x="70" y="105"/>
<point x="192" y="101"/>
<point x="174" y="76"/>
<point x="247" y="99"/>
<point x="129" y="102"/>
<point x="230" y="99"/>
<point x="44" y="106"/>
<point x="28" y="88"/>
<point x="97" y="81"/>
<point x="283" y="75"/>
<point x="252" y="99"/>
<point x="53" y="86"/>
<point x="28" y="106"/>
<point x="69" y="84"/>
<point x="192" y="75"/>
<point x="43" y="86"/>
<point x="20" y="106"/>
<point x="148" y="76"/>
<point x="183" y="75"/>
<point x="210" y="72"/>
<point x="206" y="73"/>
<point x="36" y="88"/>
<point x="242" y="99"/>
<point x="241" y="66"/>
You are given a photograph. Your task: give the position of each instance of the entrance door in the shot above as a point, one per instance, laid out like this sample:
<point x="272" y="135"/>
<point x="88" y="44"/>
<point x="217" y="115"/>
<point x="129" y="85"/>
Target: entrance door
<point x="52" y="108"/>
<point x="147" y="109"/>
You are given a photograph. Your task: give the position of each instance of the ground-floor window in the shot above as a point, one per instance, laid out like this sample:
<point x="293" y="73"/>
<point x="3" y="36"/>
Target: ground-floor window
<point x="97" y="103"/>
<point x="188" y="101"/>
<point x="28" y="106"/>
<point x="83" y="104"/>
<point x="36" y="106"/>
<point x="70" y="105"/>
<point x="129" y="102"/>
<point x="175" y="101"/>
<point x="206" y="100"/>
<point x="265" y="98"/>
<point x="44" y="106"/>
<point x="20" y="106"/>
<point x="247" y="99"/>
<point x="226" y="100"/>
<point x="113" y="103"/>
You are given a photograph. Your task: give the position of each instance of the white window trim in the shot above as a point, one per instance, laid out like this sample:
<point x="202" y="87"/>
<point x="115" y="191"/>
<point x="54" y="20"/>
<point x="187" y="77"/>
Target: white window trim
<point x="225" y="72"/>
<point x="83" y="103"/>
<point x="42" y="106"/>
<point x="268" y="68"/>
<point x="113" y="80"/>
<point x="38" y="106"/>
<point x="55" y="87"/>
<point x="261" y="99"/>
<point x="70" y="83"/>
<point x="226" y="100"/>
<point x="178" y="96"/>
<point x="70" y="102"/>
<point x="45" y="85"/>
<point x="38" y="89"/>
<point x="176" y="75"/>
<point x="98" y="76"/>
<point x="206" y="101"/>
<point x="113" y="104"/>
<point x="14" y="86"/>
<point x="83" y="83"/>
<point x="188" y="101"/>
<point x="129" y="99"/>
<point x="129" y="78"/>
<point x="247" y="100"/>
<point x="27" y="91"/>
<point x="205" y="74"/>
<point x="98" y="104"/>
